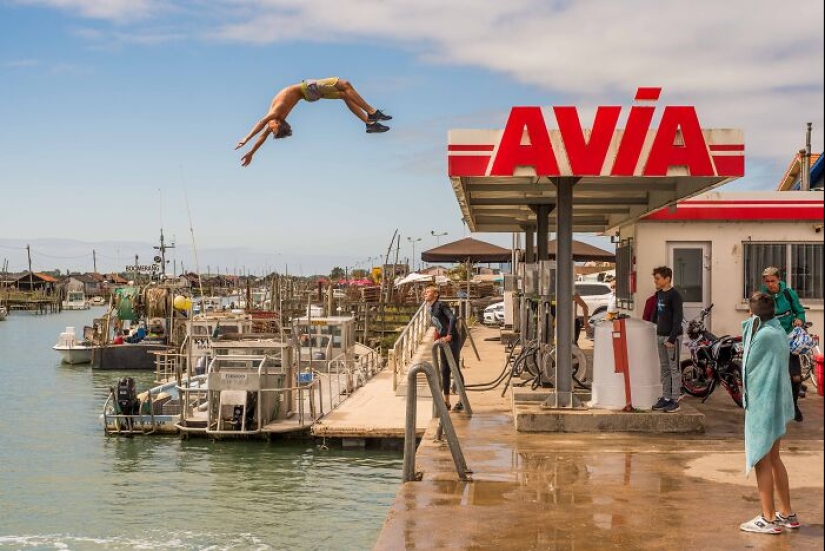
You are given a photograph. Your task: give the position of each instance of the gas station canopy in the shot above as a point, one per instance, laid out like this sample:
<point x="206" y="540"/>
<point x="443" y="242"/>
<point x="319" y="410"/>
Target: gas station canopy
<point x="500" y="177"/>
<point x="528" y="178"/>
<point x="505" y="204"/>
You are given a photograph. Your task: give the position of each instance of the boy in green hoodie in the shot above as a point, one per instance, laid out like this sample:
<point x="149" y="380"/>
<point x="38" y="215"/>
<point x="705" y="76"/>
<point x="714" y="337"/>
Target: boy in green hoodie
<point x="790" y="314"/>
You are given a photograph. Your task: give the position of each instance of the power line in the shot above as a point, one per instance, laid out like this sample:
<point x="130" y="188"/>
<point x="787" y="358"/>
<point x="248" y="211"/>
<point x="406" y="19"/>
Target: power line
<point x="87" y="255"/>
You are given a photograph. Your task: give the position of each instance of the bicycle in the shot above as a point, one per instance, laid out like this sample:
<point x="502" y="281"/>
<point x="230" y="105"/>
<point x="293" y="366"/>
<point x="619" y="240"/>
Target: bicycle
<point x="808" y="363"/>
<point x="539" y="361"/>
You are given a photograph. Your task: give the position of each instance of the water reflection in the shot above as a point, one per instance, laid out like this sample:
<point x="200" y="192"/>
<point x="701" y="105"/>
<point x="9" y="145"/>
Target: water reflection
<point x="555" y="500"/>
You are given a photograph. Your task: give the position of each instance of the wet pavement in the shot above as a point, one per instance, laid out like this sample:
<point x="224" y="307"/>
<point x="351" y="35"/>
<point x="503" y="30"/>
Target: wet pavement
<point x="564" y="491"/>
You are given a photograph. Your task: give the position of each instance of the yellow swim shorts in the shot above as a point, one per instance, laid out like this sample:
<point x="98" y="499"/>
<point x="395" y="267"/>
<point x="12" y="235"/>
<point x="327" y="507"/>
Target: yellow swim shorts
<point x="314" y="90"/>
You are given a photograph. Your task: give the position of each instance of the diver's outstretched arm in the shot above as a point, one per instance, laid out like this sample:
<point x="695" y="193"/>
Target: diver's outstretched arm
<point x="246" y="159"/>
<point x="255" y="129"/>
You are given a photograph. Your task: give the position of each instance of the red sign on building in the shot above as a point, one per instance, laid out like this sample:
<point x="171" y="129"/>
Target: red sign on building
<point x="526" y="146"/>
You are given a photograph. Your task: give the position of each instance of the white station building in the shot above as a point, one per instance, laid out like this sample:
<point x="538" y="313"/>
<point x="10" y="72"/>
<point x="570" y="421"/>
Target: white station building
<point x="718" y="244"/>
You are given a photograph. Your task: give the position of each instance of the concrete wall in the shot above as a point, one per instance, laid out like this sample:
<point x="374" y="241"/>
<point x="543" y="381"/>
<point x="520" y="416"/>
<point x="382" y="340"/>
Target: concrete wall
<point x="726" y="263"/>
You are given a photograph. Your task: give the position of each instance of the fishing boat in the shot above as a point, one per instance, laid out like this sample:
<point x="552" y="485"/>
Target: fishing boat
<point x="72" y="349"/>
<point x="136" y="326"/>
<point x="75" y="300"/>
<point x="155" y="411"/>
<point x="250" y="388"/>
<point x="252" y="385"/>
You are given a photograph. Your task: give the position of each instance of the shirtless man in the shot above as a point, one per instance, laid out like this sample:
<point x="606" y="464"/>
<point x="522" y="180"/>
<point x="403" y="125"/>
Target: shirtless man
<point x="310" y="90"/>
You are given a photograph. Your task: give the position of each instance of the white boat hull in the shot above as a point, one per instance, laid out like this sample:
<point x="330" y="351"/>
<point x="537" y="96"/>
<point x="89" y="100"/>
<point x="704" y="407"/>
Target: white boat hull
<point x="75" y="355"/>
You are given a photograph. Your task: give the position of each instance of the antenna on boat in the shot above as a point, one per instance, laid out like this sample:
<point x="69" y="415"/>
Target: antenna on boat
<point x="192" y="233"/>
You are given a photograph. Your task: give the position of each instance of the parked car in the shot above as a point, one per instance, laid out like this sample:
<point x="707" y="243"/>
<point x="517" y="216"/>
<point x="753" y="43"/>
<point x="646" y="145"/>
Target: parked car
<point x="595" y="294"/>
<point x="494" y="314"/>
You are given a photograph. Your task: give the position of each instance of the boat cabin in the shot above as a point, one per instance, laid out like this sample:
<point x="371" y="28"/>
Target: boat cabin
<point x="325" y="338"/>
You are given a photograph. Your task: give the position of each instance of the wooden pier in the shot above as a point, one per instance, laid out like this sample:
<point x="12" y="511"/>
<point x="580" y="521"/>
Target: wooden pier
<point x="33" y="303"/>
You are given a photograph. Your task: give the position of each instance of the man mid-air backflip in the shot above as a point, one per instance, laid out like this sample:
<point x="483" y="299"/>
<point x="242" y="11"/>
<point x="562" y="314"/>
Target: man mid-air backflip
<point x="310" y="90"/>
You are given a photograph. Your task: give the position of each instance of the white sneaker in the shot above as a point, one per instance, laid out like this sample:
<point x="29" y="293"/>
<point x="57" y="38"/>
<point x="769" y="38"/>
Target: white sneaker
<point x="761" y="526"/>
<point x="791" y="521"/>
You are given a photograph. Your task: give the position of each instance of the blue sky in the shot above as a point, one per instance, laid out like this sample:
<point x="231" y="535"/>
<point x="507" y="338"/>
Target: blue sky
<point x="119" y="116"/>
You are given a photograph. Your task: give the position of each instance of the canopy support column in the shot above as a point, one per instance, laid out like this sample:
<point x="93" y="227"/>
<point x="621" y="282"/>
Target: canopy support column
<point x="529" y="243"/>
<point x="562" y="396"/>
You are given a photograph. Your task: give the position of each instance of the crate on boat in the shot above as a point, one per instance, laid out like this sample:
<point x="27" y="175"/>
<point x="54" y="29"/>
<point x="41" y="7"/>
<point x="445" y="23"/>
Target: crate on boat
<point x="171" y="407"/>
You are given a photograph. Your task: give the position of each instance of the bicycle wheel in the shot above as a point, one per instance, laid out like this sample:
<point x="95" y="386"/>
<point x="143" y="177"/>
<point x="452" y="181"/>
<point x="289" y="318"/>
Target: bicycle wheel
<point x="578" y="369"/>
<point x="694" y="379"/>
<point x="808" y="371"/>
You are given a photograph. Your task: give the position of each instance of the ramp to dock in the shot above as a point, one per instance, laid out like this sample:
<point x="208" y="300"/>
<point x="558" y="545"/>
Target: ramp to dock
<point x="373" y="411"/>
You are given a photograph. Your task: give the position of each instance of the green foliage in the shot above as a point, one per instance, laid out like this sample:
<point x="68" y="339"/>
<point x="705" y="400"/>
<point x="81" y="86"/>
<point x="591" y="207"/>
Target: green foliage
<point x="459" y="273"/>
<point x="336" y="273"/>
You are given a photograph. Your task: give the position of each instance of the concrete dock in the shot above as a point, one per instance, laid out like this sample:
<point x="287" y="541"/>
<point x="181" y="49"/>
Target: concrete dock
<point x="597" y="490"/>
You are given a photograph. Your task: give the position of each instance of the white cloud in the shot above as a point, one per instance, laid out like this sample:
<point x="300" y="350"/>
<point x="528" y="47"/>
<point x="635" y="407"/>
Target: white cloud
<point x="752" y="65"/>
<point x="110" y="10"/>
<point x="21" y="63"/>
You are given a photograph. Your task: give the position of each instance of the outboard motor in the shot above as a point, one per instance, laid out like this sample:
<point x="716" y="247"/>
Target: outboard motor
<point x="127" y="396"/>
<point x="237" y="417"/>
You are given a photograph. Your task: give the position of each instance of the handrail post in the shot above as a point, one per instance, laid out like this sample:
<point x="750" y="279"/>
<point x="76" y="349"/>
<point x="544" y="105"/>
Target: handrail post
<point x="409" y="430"/>
<point x="459" y="382"/>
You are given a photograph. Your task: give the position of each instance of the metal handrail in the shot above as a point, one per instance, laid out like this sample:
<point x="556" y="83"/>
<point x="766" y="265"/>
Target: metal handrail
<point x="454" y="369"/>
<point x="409" y="430"/>
<point x="407" y="343"/>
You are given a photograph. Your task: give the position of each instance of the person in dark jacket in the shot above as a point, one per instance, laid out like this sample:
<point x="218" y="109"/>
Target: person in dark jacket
<point x="790" y="313"/>
<point x="668" y="316"/>
<point x="446" y="330"/>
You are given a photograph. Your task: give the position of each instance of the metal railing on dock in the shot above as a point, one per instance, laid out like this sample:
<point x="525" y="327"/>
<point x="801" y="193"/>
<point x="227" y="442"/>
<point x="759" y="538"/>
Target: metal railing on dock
<point x="407" y="344"/>
<point x="440" y="406"/>
<point x="413" y="334"/>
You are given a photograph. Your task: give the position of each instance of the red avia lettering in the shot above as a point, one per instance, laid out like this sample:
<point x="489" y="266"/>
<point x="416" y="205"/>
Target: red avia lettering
<point x="604" y="150"/>
<point x="539" y="152"/>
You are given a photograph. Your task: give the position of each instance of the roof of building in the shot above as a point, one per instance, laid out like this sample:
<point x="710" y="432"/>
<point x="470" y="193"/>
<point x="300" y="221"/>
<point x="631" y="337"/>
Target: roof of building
<point x="467" y="249"/>
<point x="803" y="206"/>
<point x="790" y="179"/>
<point x="85" y="278"/>
<point x="38" y="275"/>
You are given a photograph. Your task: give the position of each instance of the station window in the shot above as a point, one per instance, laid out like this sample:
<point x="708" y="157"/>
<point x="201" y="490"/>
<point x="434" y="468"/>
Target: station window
<point x="800" y="265"/>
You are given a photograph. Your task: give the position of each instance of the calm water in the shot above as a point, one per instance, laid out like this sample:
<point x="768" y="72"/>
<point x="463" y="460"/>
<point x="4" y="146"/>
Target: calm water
<point x="65" y="485"/>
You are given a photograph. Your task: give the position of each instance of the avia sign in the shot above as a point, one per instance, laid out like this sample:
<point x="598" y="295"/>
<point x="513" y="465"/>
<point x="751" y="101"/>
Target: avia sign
<point x="526" y="146"/>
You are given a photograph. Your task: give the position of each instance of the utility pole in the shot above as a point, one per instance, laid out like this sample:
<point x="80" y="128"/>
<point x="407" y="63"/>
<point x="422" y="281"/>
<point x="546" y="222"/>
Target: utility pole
<point x="162" y="248"/>
<point x="31" y="277"/>
<point x="805" y="157"/>
<point x="94" y="260"/>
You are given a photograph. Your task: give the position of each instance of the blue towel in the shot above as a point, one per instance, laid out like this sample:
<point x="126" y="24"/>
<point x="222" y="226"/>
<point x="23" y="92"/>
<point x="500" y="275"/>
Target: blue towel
<point x="768" y="400"/>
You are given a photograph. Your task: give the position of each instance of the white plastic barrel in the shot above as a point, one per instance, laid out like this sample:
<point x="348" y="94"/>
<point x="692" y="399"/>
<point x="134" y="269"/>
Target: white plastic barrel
<point x="643" y="361"/>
